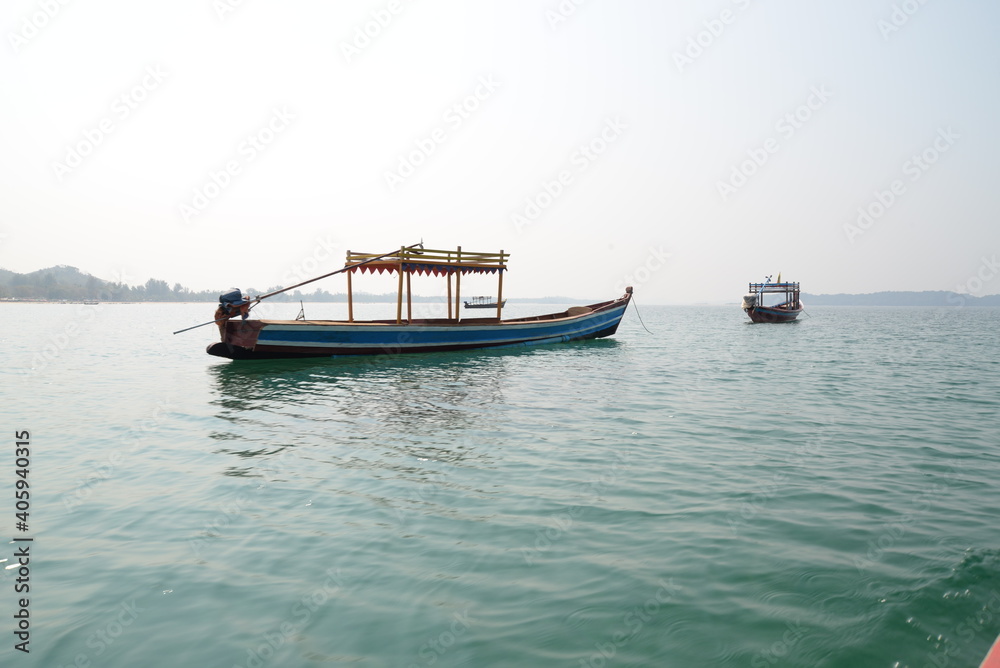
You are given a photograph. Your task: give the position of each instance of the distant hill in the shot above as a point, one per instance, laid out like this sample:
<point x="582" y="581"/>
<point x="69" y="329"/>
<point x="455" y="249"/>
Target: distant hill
<point x="927" y="298"/>
<point x="65" y="283"/>
<point x="61" y="283"/>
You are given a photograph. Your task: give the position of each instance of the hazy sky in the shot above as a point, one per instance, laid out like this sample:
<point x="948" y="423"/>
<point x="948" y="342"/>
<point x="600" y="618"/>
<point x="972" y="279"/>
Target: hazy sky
<point x="683" y="147"/>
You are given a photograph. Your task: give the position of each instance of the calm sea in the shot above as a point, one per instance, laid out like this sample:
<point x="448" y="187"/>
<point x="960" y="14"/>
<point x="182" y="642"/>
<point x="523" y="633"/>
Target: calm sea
<point x="712" y="493"/>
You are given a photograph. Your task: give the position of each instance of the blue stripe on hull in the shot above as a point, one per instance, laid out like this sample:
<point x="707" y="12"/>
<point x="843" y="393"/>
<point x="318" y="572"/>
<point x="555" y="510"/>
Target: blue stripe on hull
<point x="364" y="338"/>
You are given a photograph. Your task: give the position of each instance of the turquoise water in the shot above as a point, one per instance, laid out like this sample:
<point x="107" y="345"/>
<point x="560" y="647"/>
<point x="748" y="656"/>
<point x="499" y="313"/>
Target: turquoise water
<point x="822" y="493"/>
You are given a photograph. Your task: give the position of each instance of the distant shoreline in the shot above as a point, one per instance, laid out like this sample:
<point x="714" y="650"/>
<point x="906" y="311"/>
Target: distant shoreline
<point x="305" y="298"/>
<point x="68" y="285"/>
<point x="840" y="300"/>
<point x="925" y="298"/>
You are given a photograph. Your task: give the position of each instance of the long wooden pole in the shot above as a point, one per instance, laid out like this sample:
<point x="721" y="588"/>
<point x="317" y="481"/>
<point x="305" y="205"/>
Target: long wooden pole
<point x="210" y="322"/>
<point x="332" y="273"/>
<point x="257" y="300"/>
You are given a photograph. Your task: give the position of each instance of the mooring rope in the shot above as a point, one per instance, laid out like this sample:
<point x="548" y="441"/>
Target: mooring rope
<point x="636" y="305"/>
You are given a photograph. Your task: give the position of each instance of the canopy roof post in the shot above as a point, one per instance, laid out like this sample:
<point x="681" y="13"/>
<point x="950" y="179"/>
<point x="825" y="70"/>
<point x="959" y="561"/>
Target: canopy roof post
<point x="409" y="298"/>
<point x="399" y="292"/>
<point x="500" y="287"/>
<point x="449" y="296"/>
<point x="350" y="295"/>
<point x="458" y="285"/>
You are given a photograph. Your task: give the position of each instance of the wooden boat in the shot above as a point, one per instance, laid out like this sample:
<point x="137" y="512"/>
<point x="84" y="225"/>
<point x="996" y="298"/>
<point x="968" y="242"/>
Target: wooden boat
<point x="243" y="338"/>
<point x="484" y="302"/>
<point x="784" y="311"/>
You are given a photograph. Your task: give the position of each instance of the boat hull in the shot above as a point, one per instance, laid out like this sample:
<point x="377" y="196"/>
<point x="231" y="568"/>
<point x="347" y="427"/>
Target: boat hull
<point x="780" y="313"/>
<point x="275" y="339"/>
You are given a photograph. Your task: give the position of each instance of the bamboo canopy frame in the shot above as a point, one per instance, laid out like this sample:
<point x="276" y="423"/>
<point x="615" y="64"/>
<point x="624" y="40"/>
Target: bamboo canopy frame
<point x="790" y="290"/>
<point x="410" y="260"/>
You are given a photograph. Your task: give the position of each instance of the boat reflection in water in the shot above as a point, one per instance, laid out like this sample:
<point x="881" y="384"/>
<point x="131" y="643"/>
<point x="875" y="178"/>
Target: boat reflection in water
<point x="434" y="406"/>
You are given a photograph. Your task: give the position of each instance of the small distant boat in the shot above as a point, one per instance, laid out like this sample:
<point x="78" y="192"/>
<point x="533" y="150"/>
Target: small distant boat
<point x="244" y="338"/>
<point x="483" y="302"/>
<point x="784" y="311"/>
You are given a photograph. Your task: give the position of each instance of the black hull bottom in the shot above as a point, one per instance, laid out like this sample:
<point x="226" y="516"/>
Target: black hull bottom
<point x="232" y="352"/>
<point x="767" y="316"/>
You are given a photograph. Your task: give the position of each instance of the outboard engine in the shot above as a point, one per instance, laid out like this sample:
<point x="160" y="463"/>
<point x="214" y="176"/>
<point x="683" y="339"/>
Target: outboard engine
<point x="233" y="302"/>
<point x="750" y="300"/>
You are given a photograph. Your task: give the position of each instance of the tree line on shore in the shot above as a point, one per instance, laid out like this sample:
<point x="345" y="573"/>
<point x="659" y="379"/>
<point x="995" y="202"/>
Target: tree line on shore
<point x="64" y="283"/>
